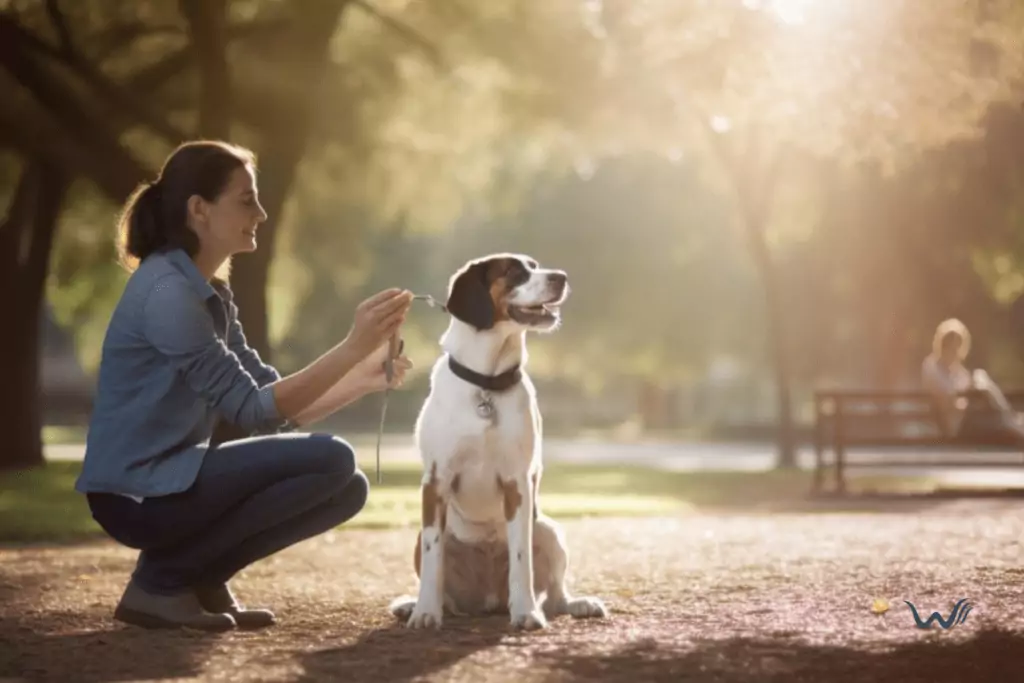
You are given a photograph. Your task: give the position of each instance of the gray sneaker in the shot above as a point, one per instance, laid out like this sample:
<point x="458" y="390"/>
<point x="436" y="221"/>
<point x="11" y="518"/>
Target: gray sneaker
<point x="148" y="610"/>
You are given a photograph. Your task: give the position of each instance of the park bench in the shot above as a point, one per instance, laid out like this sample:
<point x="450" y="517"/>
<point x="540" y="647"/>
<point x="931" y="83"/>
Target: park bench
<point x="854" y="419"/>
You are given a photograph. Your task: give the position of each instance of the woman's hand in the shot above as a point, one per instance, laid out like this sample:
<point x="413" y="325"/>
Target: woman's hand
<point x="369" y="373"/>
<point x="377" y="319"/>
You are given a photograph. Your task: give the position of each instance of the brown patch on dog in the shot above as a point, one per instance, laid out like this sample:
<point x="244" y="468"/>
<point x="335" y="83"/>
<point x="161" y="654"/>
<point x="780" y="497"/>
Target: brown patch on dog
<point x="431" y="497"/>
<point x="513" y="499"/>
<point x="503" y="275"/>
<point x="435" y="510"/>
<point x="499" y="295"/>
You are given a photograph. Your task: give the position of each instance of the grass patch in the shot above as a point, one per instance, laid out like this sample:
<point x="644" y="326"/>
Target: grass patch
<point x="41" y="505"/>
<point x="61" y="435"/>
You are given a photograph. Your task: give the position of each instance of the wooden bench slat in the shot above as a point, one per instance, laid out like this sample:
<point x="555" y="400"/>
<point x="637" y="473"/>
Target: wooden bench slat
<point x="908" y="463"/>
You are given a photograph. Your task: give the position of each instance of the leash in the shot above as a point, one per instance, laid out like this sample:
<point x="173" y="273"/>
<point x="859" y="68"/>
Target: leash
<point x="395" y="346"/>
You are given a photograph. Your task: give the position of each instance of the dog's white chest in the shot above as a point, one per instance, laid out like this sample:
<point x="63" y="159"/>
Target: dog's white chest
<point x="497" y="439"/>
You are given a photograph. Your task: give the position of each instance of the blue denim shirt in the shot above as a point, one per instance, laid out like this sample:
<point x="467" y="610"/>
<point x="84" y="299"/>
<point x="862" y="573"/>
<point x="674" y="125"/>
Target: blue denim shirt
<point x="174" y="356"/>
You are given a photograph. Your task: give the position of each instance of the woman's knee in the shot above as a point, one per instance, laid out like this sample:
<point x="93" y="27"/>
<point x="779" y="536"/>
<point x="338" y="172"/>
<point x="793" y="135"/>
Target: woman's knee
<point x="358" y="490"/>
<point x="333" y="455"/>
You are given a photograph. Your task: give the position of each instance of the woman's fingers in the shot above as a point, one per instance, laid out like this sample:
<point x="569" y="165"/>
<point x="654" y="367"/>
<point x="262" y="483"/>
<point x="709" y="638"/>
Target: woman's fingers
<point x="387" y="307"/>
<point x="382" y="297"/>
<point x="389" y="326"/>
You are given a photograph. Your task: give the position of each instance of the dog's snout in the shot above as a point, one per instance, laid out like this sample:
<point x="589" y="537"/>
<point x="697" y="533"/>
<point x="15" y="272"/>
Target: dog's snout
<point x="558" y="279"/>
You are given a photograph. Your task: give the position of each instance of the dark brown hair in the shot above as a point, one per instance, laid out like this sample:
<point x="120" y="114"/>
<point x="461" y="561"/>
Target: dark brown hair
<point x="155" y="217"/>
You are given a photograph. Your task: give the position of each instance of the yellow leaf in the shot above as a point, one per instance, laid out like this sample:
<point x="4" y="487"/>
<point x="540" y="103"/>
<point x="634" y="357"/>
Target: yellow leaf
<point x="879" y="606"/>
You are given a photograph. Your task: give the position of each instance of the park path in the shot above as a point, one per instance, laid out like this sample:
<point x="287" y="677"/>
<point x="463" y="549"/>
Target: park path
<point x="683" y="456"/>
<point x="725" y="597"/>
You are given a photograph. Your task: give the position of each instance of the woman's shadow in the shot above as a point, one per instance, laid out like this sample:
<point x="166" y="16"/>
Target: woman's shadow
<point x="396" y="653"/>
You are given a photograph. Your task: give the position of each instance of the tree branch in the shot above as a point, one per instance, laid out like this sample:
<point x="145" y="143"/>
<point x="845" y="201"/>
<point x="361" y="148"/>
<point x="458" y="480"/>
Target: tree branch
<point x="113" y="38"/>
<point x="429" y="49"/>
<point x="54" y="125"/>
<point x="57" y="19"/>
<point x="125" y="104"/>
<point x="152" y="77"/>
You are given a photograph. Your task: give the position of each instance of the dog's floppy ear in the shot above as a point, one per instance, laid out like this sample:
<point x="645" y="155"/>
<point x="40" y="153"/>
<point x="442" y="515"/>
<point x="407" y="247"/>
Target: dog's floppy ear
<point x="469" y="297"/>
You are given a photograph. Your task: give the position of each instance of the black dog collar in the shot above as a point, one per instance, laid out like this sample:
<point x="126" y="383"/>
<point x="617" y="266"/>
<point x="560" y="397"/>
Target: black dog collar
<point x="505" y="380"/>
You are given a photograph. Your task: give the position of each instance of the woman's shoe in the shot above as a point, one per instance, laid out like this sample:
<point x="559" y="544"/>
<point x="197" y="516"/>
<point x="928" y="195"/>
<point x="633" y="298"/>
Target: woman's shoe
<point x="150" y="610"/>
<point x="218" y="598"/>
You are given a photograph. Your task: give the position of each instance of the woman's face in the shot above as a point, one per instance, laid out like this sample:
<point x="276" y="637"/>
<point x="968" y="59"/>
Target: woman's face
<point x="228" y="225"/>
<point x="951" y="348"/>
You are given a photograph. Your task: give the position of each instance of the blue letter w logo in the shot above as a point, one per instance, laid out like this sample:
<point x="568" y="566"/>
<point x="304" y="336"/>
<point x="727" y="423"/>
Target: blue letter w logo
<point x="957" y="616"/>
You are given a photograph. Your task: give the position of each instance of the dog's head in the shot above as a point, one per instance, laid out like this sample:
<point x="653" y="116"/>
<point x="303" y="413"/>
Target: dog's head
<point x="507" y="287"/>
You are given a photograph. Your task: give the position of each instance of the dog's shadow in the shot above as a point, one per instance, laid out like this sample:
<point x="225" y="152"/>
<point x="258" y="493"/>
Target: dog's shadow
<point x="396" y="653"/>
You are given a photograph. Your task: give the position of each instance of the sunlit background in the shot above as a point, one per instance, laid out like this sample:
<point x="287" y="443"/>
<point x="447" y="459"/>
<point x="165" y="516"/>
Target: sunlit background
<point x="746" y="194"/>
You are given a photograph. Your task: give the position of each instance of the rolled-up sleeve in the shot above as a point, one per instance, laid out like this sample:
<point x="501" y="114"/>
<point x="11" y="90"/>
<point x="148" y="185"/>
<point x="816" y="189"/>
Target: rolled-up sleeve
<point x="263" y="374"/>
<point x="177" y="323"/>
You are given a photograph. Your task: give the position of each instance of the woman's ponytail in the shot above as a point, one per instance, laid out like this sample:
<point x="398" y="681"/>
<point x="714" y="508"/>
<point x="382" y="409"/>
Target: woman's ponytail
<point x="140" y="230"/>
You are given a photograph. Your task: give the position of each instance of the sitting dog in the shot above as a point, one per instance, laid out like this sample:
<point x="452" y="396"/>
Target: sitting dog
<point x="484" y="545"/>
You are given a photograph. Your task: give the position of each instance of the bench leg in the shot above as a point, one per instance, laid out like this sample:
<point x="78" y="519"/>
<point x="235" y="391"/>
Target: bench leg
<point x="840" y="472"/>
<point x="818" y="482"/>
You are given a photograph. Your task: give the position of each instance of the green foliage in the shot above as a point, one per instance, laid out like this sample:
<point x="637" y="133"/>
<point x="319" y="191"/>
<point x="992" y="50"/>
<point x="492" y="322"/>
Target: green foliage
<point x="661" y="283"/>
<point x="447" y="130"/>
<point x="85" y="280"/>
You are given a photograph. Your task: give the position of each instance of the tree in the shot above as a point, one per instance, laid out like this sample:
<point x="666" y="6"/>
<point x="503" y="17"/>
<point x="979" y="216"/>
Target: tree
<point x="68" y="116"/>
<point x="100" y="94"/>
<point x="866" y="80"/>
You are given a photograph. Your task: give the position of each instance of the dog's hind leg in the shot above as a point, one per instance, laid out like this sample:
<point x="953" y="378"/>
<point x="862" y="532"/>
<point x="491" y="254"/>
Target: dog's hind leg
<point x="551" y="562"/>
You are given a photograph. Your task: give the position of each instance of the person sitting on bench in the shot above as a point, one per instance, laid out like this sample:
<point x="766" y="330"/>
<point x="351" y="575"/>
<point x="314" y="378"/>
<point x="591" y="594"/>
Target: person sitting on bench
<point x="944" y="377"/>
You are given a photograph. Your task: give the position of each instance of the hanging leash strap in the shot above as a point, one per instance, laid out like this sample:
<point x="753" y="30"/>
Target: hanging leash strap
<point x="395" y="346"/>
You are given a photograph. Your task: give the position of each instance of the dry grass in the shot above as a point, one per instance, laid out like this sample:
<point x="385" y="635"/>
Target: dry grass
<point x="727" y="597"/>
<point x="41" y="505"/>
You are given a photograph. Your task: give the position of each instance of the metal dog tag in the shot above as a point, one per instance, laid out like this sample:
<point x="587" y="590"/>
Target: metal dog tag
<point x="485" y="408"/>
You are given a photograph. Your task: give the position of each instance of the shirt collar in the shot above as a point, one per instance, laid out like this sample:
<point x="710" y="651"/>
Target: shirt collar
<point x="181" y="260"/>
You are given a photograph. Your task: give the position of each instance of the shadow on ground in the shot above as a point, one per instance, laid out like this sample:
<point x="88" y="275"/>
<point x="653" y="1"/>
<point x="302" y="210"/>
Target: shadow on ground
<point x="397" y="654"/>
<point x="112" y="653"/>
<point x="989" y="655"/>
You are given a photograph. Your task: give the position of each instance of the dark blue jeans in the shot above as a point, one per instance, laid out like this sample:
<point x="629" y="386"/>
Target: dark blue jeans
<point x="252" y="498"/>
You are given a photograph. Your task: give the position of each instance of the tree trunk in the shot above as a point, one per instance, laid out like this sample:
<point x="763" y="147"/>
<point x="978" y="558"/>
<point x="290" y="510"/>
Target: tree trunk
<point x="777" y="344"/>
<point x="26" y="239"/>
<point x="207" y="22"/>
<point x="755" y="179"/>
<point x="305" y="52"/>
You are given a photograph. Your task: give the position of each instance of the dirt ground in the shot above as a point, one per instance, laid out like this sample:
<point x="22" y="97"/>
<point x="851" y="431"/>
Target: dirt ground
<point x="744" y="598"/>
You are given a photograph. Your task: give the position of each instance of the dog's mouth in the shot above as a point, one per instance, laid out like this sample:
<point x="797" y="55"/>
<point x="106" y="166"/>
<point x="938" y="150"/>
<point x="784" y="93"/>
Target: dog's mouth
<point x="536" y="314"/>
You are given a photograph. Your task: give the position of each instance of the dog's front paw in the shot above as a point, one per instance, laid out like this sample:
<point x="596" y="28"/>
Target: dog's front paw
<point x="424" y="618"/>
<point x="529" y="621"/>
<point x="586" y="608"/>
<point x="402" y="607"/>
